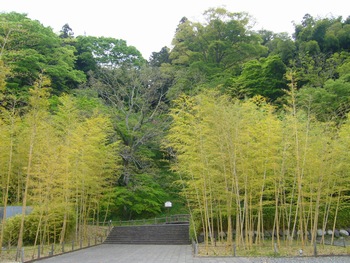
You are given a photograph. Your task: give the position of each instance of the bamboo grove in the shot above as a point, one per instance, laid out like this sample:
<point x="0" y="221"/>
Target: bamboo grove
<point x="247" y="169"/>
<point x="56" y="165"/>
<point x="255" y="122"/>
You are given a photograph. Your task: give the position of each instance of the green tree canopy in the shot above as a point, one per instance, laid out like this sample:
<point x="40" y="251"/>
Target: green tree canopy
<point x="214" y="50"/>
<point x="279" y="44"/>
<point x="263" y="77"/>
<point x="222" y="42"/>
<point x="105" y="52"/>
<point x="31" y="49"/>
<point x="158" y="58"/>
<point x="326" y="34"/>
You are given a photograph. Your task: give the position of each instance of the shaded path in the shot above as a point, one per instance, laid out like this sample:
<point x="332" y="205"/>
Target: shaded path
<point x="166" y="254"/>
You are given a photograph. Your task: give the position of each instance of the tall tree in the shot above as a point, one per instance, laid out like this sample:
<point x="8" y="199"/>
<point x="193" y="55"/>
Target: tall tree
<point x="105" y="52"/>
<point x="137" y="101"/>
<point x="66" y="32"/>
<point x="208" y="54"/>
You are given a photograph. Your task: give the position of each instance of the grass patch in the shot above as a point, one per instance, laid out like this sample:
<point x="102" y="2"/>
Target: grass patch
<point x="286" y="249"/>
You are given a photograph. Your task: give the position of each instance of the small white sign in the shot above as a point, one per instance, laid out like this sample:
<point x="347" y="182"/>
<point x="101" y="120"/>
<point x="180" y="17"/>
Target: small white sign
<point x="168" y="204"/>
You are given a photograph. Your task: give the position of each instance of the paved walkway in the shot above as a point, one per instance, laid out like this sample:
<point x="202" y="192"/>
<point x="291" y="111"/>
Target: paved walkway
<point x="165" y="254"/>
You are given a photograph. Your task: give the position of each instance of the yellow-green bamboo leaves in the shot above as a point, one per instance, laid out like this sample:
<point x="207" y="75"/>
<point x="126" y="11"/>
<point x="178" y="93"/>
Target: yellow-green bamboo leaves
<point x="4" y="71"/>
<point x="247" y="169"/>
<point x="92" y="165"/>
<point x="35" y="126"/>
<point x="61" y="164"/>
<point x="9" y="127"/>
<point x="222" y="146"/>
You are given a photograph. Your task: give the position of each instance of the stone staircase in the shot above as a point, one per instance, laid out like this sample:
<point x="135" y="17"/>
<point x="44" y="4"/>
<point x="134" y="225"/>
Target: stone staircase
<point x="162" y="234"/>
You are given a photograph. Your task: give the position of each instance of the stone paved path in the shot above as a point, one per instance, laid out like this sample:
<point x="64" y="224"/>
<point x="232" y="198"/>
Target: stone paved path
<point x="136" y="254"/>
<point x="165" y="254"/>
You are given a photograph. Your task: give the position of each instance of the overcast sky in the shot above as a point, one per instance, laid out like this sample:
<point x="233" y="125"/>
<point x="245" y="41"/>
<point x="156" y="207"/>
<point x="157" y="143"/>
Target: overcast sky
<point x="150" y="25"/>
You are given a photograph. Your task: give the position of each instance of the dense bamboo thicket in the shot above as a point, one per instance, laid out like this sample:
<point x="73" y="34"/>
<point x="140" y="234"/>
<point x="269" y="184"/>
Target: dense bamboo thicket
<point x="247" y="170"/>
<point x="60" y="165"/>
<point x="83" y="120"/>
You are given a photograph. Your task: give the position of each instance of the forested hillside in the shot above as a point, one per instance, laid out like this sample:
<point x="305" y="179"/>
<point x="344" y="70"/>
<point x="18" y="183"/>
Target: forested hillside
<point x="245" y="130"/>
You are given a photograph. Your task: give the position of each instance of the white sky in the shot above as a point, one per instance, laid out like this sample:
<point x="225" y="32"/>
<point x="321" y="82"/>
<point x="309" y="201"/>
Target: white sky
<point x="150" y="25"/>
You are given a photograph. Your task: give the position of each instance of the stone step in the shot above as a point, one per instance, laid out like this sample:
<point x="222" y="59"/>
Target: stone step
<point x="150" y="234"/>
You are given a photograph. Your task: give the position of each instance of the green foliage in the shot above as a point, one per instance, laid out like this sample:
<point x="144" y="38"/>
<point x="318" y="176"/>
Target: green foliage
<point x="331" y="102"/>
<point x="32" y="49"/>
<point x="342" y="221"/>
<point x="106" y="53"/>
<point x="50" y="224"/>
<point x="322" y="35"/>
<point x="210" y="50"/>
<point x="4" y="72"/>
<point x="10" y="235"/>
<point x="159" y="58"/>
<point x="238" y="160"/>
<point x="95" y="152"/>
<point x="65" y="161"/>
<point x="264" y="77"/>
<point x="137" y="105"/>
<point x="279" y="44"/>
<point x="66" y="32"/>
<point x="142" y="197"/>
